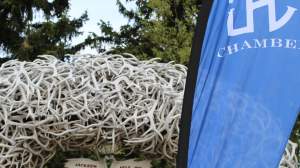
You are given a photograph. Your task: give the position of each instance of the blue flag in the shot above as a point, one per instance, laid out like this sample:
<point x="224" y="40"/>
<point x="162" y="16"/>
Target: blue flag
<point x="247" y="91"/>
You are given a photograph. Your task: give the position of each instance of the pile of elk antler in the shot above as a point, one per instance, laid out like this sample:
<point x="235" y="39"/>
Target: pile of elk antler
<point x="90" y="102"/>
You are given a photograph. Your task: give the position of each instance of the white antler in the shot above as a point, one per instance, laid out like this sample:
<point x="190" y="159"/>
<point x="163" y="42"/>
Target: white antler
<point x="105" y="102"/>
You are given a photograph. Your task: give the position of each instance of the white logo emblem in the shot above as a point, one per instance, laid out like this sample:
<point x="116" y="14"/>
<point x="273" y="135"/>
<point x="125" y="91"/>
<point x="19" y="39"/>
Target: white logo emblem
<point x="251" y="6"/>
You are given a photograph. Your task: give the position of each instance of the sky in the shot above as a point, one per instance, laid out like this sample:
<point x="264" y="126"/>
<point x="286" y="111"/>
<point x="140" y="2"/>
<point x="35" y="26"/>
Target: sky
<point x="106" y="10"/>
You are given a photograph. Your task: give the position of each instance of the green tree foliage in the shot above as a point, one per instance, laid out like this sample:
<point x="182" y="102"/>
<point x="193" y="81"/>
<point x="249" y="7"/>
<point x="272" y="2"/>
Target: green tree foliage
<point x="295" y="136"/>
<point x="156" y="28"/>
<point x="24" y="39"/>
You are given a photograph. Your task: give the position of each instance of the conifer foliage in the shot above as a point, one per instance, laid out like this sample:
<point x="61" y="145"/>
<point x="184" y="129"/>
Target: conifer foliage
<point x="156" y="28"/>
<point x="24" y="37"/>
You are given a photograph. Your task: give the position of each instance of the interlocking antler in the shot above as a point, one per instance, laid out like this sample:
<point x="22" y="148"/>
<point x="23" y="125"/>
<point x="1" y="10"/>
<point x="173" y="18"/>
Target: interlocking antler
<point x="90" y="102"/>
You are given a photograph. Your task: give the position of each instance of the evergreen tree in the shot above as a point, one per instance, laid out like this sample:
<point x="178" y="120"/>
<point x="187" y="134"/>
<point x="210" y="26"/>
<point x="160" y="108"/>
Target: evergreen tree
<point x="24" y="39"/>
<point x="156" y="28"/>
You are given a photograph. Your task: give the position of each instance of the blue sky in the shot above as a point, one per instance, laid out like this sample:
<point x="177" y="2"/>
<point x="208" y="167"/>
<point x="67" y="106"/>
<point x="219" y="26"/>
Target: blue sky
<point x="106" y="10"/>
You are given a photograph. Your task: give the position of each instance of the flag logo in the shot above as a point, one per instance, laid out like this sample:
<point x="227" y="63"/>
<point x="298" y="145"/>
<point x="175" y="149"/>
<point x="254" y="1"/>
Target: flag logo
<point x="251" y="7"/>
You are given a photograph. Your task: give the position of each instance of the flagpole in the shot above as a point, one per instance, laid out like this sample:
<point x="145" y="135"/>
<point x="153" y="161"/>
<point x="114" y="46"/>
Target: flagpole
<point x="186" y="116"/>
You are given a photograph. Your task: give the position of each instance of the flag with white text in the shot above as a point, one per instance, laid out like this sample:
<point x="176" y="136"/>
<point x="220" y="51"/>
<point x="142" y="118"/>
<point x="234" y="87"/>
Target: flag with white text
<point x="247" y="89"/>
